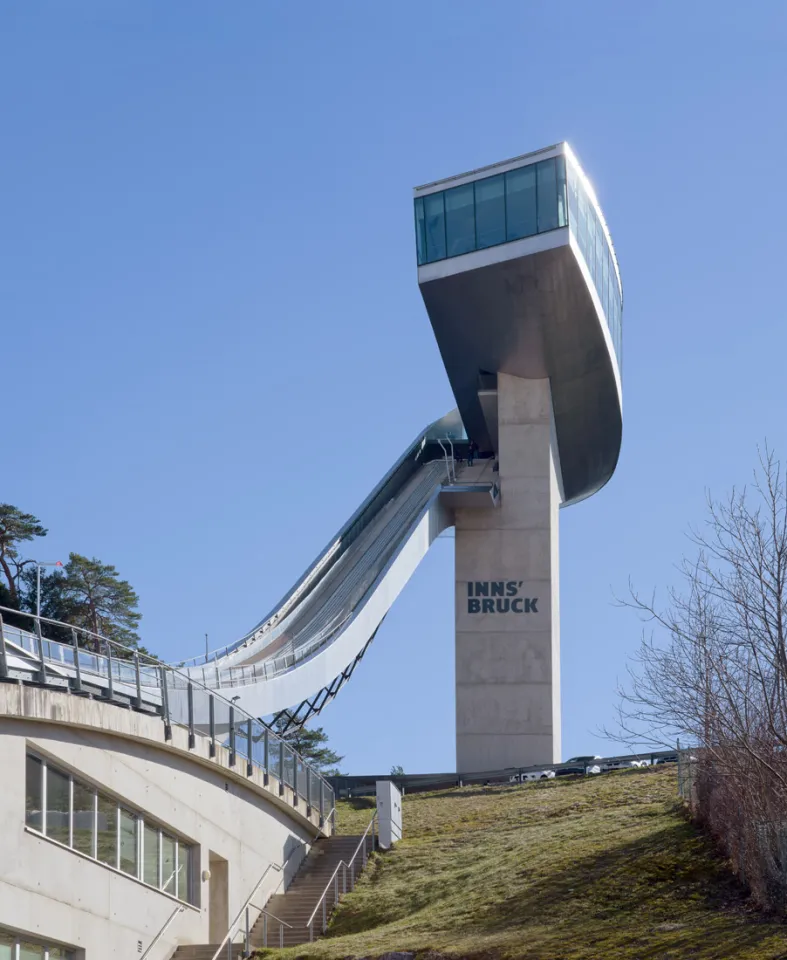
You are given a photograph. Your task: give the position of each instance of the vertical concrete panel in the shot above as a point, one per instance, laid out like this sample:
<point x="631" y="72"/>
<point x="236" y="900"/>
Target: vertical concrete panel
<point x="507" y="596"/>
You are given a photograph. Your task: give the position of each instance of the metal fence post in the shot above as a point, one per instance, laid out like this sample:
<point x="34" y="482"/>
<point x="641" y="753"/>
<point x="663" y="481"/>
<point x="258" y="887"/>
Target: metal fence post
<point x="308" y="791"/>
<point x="139" y="681"/>
<point x="282" y="748"/>
<point x="232" y="736"/>
<point x="42" y="660"/>
<point x="77" y="667"/>
<point x="111" y="683"/>
<point x="190" y="702"/>
<point x="249" y="764"/>
<point x="212" y="722"/>
<point x="324" y="914"/>
<point x="295" y="779"/>
<point x="266" y="754"/>
<point x="265" y="929"/>
<point x="165" y="705"/>
<point x="246" y="944"/>
<point x="322" y="804"/>
<point x="3" y="658"/>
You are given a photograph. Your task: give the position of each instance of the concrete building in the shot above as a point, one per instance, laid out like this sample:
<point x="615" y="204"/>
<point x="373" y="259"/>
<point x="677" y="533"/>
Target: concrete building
<point x="129" y="833"/>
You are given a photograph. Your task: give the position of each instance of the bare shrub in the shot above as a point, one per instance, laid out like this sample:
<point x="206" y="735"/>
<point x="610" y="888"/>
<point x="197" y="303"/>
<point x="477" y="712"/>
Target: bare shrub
<point x="712" y="671"/>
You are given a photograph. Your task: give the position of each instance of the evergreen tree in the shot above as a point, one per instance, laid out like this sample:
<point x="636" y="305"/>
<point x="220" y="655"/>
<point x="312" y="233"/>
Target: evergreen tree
<point x="90" y="594"/>
<point x="15" y="527"/>
<point x="312" y="745"/>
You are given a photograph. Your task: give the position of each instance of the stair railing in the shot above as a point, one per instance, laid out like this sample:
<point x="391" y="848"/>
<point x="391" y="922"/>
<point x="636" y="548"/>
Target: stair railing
<point x="178" y="910"/>
<point x="333" y="883"/>
<point x="243" y="913"/>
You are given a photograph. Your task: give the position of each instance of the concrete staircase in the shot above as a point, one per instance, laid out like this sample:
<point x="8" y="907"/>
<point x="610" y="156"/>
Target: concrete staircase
<point x="295" y="905"/>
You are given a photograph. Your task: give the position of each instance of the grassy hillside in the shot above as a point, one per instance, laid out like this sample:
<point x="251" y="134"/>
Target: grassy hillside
<point x="603" y="867"/>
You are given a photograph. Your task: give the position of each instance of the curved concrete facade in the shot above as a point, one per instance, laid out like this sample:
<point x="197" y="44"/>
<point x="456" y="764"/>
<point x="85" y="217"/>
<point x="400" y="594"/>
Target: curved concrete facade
<point x="235" y="825"/>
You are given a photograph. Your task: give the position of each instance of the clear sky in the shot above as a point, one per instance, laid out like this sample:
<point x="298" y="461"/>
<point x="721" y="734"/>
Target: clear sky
<point x="213" y="343"/>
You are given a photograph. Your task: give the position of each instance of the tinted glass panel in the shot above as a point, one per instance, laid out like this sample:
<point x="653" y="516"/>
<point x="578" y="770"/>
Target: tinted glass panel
<point x="7" y="947"/>
<point x="128" y="842"/>
<point x="562" y="196"/>
<point x="435" y="227"/>
<point x="83" y="818"/>
<point x="490" y="211"/>
<point x="57" y="802"/>
<point x="34" y="794"/>
<point x="546" y="181"/>
<point x="107" y="836"/>
<point x="420" y="231"/>
<point x="30" y="951"/>
<point x="150" y="863"/>
<point x="521" y="203"/>
<point x="460" y="220"/>
<point x="168" y="878"/>
<point x="184" y="872"/>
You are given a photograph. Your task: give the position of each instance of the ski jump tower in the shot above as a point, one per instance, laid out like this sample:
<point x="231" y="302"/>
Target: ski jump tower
<point x="521" y="284"/>
<point x="519" y="278"/>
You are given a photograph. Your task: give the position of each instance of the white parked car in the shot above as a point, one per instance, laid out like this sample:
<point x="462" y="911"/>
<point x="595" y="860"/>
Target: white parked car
<point x="623" y="764"/>
<point x="531" y="775"/>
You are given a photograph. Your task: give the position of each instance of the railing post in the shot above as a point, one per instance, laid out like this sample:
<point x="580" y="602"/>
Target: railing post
<point x="111" y="682"/>
<point x="265" y="929"/>
<point x="77" y="667"/>
<point x="138" y="679"/>
<point x="324" y="914"/>
<point x="3" y="658"/>
<point x="266" y="754"/>
<point x="212" y="722"/>
<point x="232" y="736"/>
<point x="42" y="661"/>
<point x="281" y="934"/>
<point x="311" y="932"/>
<point x="282" y="748"/>
<point x="308" y="791"/>
<point x="190" y="702"/>
<point x="249" y="764"/>
<point x="165" y="705"/>
<point x="295" y="779"/>
<point x="344" y="878"/>
<point x="246" y="944"/>
<point x="322" y="805"/>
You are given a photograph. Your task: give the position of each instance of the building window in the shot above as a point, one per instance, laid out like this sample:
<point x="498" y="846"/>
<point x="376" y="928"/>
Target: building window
<point x="14" y="947"/>
<point x="434" y="207"/>
<point x="460" y="220"/>
<point x="75" y="814"/>
<point x="490" y="211"/>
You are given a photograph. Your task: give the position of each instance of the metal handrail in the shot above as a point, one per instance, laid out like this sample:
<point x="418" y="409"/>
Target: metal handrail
<point x="231" y="930"/>
<point x="179" y="909"/>
<point x="141" y="670"/>
<point x="279" y="867"/>
<point x="347" y="865"/>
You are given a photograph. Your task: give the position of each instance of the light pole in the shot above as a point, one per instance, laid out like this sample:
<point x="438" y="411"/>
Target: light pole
<point x="39" y="564"/>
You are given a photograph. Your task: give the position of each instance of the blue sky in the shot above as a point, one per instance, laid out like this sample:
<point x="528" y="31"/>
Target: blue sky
<point x="213" y="341"/>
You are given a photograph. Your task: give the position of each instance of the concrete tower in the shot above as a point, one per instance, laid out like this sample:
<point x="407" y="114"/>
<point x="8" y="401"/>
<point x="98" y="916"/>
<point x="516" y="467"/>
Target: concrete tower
<point x="521" y="284"/>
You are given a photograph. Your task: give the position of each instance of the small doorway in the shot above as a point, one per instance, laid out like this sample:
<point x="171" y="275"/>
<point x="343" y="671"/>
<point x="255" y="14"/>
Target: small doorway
<point x="218" y="898"/>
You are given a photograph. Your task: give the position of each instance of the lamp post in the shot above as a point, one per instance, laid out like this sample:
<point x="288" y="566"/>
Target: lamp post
<point x="39" y="564"/>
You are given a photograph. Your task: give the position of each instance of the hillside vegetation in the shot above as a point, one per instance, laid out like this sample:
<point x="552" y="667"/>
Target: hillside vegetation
<point x="603" y="867"/>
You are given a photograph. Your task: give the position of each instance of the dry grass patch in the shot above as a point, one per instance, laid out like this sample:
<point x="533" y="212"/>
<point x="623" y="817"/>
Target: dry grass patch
<point x="603" y="867"/>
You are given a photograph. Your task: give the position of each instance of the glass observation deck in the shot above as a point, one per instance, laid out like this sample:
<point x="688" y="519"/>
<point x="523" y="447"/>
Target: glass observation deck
<point x="532" y="199"/>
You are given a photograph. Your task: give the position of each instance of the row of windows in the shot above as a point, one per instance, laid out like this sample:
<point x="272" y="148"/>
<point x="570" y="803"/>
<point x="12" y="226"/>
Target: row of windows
<point x="498" y="209"/>
<point x="13" y="947"/>
<point x="77" y="815"/>
<point x="517" y="204"/>
<point x="591" y="238"/>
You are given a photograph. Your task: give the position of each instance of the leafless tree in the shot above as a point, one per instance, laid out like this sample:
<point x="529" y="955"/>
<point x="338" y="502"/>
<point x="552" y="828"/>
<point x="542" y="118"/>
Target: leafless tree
<point x="712" y="670"/>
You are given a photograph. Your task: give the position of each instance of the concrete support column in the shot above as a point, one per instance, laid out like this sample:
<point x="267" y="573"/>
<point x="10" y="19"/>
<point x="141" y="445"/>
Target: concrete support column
<point x="507" y="596"/>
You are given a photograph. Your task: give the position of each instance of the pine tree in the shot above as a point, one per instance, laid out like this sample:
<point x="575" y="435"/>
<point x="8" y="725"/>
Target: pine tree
<point x="90" y="594"/>
<point x="15" y="527"/>
<point x="312" y="746"/>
